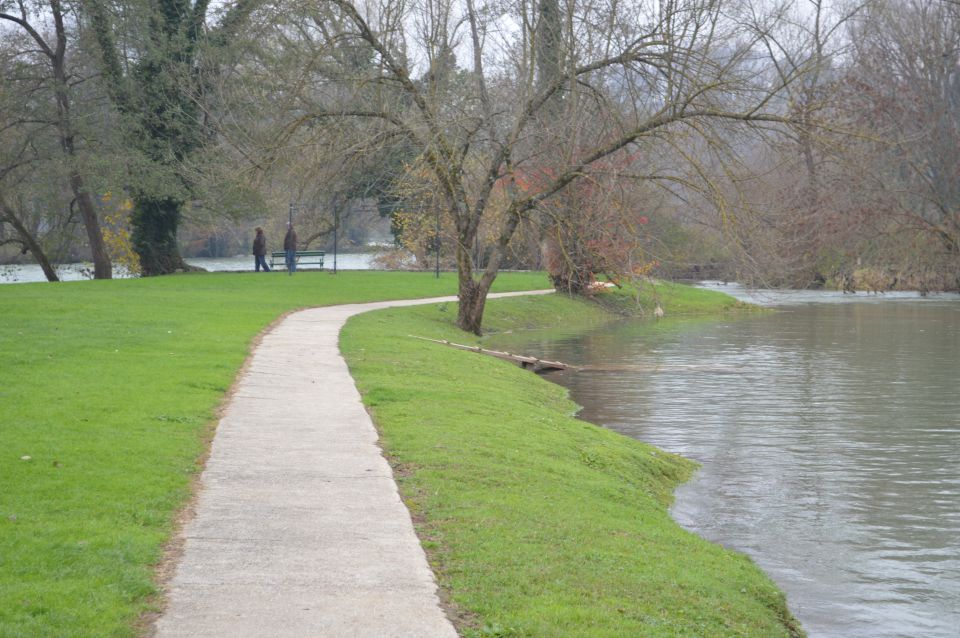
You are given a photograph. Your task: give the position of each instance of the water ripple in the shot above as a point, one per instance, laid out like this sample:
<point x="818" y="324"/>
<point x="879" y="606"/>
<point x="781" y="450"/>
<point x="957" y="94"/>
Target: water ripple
<point x="829" y="438"/>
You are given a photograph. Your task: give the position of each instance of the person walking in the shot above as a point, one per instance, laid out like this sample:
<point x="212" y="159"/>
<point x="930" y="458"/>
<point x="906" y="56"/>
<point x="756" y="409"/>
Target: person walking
<point x="260" y="251"/>
<point x="290" y="247"/>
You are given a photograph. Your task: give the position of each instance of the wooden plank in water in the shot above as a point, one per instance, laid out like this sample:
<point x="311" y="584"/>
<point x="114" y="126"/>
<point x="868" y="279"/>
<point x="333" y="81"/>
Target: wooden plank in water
<point x="525" y="361"/>
<point x="545" y="365"/>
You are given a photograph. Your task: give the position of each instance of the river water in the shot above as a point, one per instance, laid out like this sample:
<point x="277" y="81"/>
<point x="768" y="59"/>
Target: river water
<point x="28" y="273"/>
<point x="829" y="437"/>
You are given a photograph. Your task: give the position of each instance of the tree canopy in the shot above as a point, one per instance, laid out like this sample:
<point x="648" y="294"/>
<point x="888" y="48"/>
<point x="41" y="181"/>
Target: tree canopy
<point x="795" y="142"/>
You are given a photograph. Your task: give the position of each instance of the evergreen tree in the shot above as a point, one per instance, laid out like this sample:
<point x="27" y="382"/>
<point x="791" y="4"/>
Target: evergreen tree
<point x="159" y="90"/>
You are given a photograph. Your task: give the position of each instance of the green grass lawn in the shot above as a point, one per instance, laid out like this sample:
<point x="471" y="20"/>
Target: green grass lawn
<point x="107" y="392"/>
<point x="536" y="523"/>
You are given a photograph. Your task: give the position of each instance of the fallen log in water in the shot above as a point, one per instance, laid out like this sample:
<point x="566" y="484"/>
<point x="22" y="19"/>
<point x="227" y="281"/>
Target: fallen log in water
<point x="545" y="365"/>
<point x="525" y="361"/>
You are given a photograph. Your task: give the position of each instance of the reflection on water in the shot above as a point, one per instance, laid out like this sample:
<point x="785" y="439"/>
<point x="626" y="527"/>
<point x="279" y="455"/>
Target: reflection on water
<point x="829" y="438"/>
<point x="28" y="273"/>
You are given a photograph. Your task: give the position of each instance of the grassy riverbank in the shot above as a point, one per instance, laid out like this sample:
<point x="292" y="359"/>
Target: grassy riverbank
<point x="539" y="524"/>
<point x="107" y="393"/>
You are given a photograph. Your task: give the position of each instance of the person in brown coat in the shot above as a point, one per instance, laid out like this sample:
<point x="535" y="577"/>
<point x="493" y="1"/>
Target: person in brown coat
<point x="260" y="251"/>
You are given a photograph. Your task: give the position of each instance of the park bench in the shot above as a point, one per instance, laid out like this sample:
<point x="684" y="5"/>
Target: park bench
<point x="304" y="258"/>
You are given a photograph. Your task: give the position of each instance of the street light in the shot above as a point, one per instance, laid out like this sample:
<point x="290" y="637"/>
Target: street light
<point x="336" y="224"/>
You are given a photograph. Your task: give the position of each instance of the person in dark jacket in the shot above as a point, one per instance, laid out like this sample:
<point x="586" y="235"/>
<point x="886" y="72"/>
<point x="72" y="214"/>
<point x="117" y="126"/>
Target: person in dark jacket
<point x="290" y="247"/>
<point x="260" y="251"/>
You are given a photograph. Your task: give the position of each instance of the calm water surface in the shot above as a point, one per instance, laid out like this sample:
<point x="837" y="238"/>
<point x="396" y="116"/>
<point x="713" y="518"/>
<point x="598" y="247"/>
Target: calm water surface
<point x="829" y="438"/>
<point x="29" y="273"/>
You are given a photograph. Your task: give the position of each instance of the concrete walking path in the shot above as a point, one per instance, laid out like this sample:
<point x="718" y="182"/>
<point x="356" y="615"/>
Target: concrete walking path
<point x="299" y="529"/>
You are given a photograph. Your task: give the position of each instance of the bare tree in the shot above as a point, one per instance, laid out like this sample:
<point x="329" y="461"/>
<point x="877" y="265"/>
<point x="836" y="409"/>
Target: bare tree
<point x="26" y="238"/>
<point x="810" y="38"/>
<point x="631" y="76"/>
<point x="56" y="82"/>
<point x="907" y="81"/>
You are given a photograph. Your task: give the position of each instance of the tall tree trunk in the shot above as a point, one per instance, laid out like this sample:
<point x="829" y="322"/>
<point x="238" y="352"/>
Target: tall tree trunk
<point x="473" y="297"/>
<point x="548" y="45"/>
<point x="102" y="267"/>
<point x="57" y="54"/>
<point x="548" y="52"/>
<point x="155" y="223"/>
<point x="8" y="215"/>
<point x="473" y="293"/>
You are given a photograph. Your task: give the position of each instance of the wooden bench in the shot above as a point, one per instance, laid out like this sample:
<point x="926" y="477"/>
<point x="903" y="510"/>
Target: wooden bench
<point x="304" y="258"/>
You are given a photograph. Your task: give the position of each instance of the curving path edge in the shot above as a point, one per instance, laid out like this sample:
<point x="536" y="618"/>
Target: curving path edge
<point x="299" y="530"/>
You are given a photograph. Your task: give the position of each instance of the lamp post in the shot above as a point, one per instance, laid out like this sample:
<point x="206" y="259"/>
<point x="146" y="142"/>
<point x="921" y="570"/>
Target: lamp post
<point x="336" y="224"/>
<point x="436" y="240"/>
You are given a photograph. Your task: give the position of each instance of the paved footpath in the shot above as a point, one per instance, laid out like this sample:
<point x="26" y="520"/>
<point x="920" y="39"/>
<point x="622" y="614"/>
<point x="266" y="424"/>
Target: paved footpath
<point x="299" y="529"/>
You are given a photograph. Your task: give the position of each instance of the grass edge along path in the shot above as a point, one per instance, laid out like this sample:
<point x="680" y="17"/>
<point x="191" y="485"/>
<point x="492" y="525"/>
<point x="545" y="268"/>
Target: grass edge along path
<point x="538" y="524"/>
<point x="108" y="393"/>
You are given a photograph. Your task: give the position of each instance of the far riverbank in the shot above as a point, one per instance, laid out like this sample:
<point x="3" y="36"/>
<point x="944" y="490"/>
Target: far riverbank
<point x="31" y="273"/>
